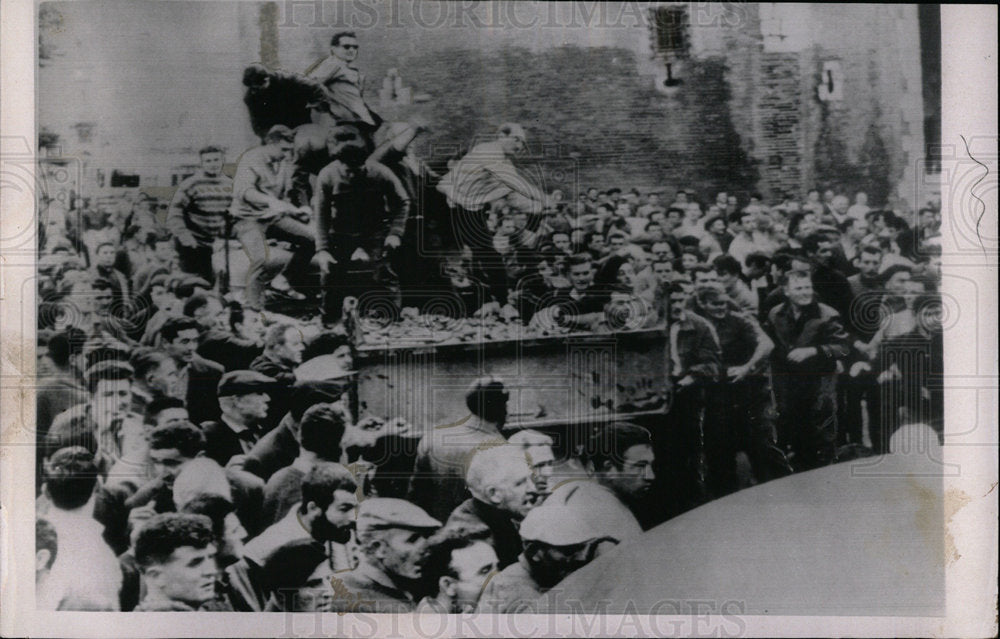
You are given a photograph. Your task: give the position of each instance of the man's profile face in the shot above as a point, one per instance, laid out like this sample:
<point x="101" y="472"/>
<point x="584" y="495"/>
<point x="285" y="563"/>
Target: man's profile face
<point x="252" y="326"/>
<point x="343" y="357"/>
<point x="211" y="163"/>
<point x="581" y="275"/>
<point x="189" y="575"/>
<point x="183" y="346"/>
<point x="253" y="406"/>
<point x="291" y="351"/>
<point x="337" y="521"/>
<point x="635" y="477"/>
<point x="346" y="49"/>
<point x="824" y="252"/>
<point x="163" y="378"/>
<point x="513" y="144"/>
<point x="473" y="565"/>
<point x="209" y="314"/>
<point x="402" y="551"/>
<point x="166" y="463"/>
<point x="516" y="492"/>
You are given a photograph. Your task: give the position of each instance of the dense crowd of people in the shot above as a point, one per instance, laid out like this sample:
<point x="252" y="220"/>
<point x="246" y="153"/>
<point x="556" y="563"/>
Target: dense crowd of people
<point x="199" y="450"/>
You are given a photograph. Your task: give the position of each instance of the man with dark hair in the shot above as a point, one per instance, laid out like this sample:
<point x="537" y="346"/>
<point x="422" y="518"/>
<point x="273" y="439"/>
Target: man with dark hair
<point x="343" y="82"/>
<point x="198" y="211"/>
<point x="438" y="483"/>
<point x="104" y="426"/>
<point x="456" y="568"/>
<point x="736" y="406"/>
<point x="165" y="410"/>
<point x="320" y="434"/>
<point x="393" y="536"/>
<point x="105" y="254"/>
<point x="170" y="447"/>
<point x="155" y="377"/>
<point x="177" y="556"/>
<point x="277" y="97"/>
<point x="279" y="448"/>
<point x="830" y="285"/>
<point x="619" y="459"/>
<point x="809" y="340"/>
<point x="68" y="504"/>
<point x="695" y="364"/>
<point x="243" y="397"/>
<point x="196" y="376"/>
<point x="867" y="281"/>
<point x="361" y="213"/>
<point x="204" y="308"/>
<point x="60" y="387"/>
<point x="236" y="348"/>
<point x="226" y="526"/>
<point x="730" y="273"/>
<point x="325" y="514"/>
<point x="260" y="209"/>
<point x="583" y="305"/>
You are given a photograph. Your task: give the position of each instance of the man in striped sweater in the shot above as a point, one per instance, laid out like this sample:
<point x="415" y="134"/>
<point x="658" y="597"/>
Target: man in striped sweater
<point x="197" y="213"/>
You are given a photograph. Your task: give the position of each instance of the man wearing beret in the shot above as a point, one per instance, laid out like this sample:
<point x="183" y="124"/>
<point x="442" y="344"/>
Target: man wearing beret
<point x="243" y="398"/>
<point x="393" y="535"/>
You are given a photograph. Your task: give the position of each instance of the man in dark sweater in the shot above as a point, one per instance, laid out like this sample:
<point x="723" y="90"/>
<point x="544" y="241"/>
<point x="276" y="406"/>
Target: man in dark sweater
<point x="320" y="435"/>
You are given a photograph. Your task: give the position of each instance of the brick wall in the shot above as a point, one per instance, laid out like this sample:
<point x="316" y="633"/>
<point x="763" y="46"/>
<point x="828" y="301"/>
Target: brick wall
<point x="593" y="105"/>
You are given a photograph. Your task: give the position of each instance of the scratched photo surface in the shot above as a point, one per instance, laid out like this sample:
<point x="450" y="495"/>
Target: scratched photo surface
<point x="570" y="308"/>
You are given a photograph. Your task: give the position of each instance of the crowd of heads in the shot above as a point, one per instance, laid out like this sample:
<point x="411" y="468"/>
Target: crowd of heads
<point x="207" y="453"/>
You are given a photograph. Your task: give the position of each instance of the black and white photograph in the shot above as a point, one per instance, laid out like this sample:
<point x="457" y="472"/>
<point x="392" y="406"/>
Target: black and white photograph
<point x="681" y="312"/>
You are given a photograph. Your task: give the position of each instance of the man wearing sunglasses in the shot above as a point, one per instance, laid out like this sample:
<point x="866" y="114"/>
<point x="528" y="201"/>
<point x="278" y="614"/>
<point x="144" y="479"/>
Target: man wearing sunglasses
<point x="344" y="83"/>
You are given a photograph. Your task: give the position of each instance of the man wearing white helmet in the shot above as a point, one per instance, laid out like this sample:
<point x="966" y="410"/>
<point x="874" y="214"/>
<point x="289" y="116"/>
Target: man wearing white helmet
<point x="557" y="541"/>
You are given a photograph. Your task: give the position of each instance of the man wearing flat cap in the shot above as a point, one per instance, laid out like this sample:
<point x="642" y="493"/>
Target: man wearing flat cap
<point x="243" y="398"/>
<point x="557" y="541"/>
<point x="393" y="536"/>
